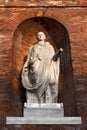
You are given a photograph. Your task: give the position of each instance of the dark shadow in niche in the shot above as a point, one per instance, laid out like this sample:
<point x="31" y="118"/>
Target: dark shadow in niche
<point x="60" y="37"/>
<point x="22" y="89"/>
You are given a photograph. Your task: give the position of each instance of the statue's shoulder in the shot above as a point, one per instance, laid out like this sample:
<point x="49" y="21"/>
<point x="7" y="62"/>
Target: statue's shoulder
<point x="49" y="45"/>
<point x="32" y="48"/>
<point x="47" y="42"/>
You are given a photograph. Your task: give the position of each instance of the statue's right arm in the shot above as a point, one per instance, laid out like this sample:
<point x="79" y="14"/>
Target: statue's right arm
<point x="28" y="58"/>
<point x="25" y="67"/>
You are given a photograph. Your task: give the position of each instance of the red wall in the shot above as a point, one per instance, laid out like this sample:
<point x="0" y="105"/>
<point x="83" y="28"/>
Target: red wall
<point x="75" y="21"/>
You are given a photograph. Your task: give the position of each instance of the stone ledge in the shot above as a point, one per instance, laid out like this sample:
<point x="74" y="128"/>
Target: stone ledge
<point x="47" y="120"/>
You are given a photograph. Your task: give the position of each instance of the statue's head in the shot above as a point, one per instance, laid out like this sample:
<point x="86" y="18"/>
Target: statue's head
<point x="41" y="36"/>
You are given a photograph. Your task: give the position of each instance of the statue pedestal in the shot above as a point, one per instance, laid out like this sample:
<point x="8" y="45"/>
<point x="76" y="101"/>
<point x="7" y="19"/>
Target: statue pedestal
<point x="44" y="110"/>
<point x="43" y="114"/>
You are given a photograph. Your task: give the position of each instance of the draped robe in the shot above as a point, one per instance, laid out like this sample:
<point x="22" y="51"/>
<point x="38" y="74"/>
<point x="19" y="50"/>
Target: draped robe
<point x="40" y="74"/>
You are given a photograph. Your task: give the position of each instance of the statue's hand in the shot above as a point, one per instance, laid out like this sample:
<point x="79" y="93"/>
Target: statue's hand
<point x="61" y="50"/>
<point x="57" y="55"/>
<point x="25" y="69"/>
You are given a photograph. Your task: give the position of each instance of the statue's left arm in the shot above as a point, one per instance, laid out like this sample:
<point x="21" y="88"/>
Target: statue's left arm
<point x="58" y="54"/>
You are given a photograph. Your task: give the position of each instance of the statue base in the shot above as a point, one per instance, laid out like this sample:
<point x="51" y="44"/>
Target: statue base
<point x="43" y="114"/>
<point x="43" y="110"/>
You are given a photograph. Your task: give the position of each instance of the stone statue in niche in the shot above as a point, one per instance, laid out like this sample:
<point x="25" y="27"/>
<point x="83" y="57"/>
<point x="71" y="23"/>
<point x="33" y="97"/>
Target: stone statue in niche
<point x="40" y="77"/>
<point x="40" y="73"/>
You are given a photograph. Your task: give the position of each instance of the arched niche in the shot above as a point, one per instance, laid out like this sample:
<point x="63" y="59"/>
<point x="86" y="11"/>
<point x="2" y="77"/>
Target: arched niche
<point x="57" y="35"/>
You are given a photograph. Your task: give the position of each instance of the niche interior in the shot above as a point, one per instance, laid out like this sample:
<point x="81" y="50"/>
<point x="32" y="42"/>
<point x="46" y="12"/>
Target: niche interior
<point x="57" y="35"/>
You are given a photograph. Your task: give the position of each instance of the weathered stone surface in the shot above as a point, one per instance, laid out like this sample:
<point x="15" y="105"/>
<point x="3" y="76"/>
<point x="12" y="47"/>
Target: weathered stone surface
<point x="44" y="110"/>
<point x="43" y="120"/>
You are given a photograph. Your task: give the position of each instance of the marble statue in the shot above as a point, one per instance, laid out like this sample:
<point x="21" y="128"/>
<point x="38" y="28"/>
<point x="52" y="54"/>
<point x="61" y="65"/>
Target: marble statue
<point x="40" y="73"/>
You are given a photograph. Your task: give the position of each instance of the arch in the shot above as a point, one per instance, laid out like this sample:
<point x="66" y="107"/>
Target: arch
<point x="57" y="35"/>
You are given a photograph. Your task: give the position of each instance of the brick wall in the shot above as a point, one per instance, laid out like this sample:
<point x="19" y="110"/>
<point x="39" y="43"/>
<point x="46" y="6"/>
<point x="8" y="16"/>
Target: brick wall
<point x="44" y="2"/>
<point x="75" y="21"/>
